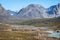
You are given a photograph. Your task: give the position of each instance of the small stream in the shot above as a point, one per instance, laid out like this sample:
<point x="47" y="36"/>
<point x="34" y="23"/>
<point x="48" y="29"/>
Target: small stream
<point x="54" y="34"/>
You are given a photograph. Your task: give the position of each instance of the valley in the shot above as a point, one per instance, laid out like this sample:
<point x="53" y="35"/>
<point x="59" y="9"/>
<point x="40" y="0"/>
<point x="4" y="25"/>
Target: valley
<point x="33" y="22"/>
<point x="27" y="32"/>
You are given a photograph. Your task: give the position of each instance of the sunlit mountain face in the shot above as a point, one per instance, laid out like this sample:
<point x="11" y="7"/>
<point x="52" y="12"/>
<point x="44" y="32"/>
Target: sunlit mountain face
<point x="32" y="11"/>
<point x="38" y="11"/>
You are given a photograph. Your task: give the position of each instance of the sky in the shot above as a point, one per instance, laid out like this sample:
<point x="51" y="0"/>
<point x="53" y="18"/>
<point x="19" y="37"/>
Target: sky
<point x="16" y="5"/>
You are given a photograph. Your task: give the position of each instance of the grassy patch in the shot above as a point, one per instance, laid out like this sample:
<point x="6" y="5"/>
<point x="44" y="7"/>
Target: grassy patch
<point x="5" y="35"/>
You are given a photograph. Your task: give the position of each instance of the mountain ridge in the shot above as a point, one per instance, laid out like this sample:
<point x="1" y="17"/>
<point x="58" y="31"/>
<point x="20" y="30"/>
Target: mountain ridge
<point x="33" y="11"/>
<point x="40" y="11"/>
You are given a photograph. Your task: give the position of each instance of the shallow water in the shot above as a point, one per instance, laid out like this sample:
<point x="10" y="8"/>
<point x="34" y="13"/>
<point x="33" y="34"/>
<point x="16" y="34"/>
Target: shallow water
<point x="55" y="34"/>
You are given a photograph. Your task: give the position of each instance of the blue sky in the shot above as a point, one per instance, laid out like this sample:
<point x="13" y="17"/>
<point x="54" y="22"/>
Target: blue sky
<point x="16" y="5"/>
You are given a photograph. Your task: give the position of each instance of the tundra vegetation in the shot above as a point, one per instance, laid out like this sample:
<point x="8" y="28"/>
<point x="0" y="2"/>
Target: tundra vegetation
<point x="7" y="32"/>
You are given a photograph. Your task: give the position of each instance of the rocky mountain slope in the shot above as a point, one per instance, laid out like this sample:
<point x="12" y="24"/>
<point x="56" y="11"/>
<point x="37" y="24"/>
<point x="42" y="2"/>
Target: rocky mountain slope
<point x="32" y="11"/>
<point x="38" y="11"/>
<point x="54" y="11"/>
<point x="3" y="13"/>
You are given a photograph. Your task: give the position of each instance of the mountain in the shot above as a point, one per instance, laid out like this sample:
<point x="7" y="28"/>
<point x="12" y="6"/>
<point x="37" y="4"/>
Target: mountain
<point x="12" y="12"/>
<point x="2" y="10"/>
<point x="3" y="13"/>
<point x="6" y="16"/>
<point x="33" y="11"/>
<point x="54" y="11"/>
